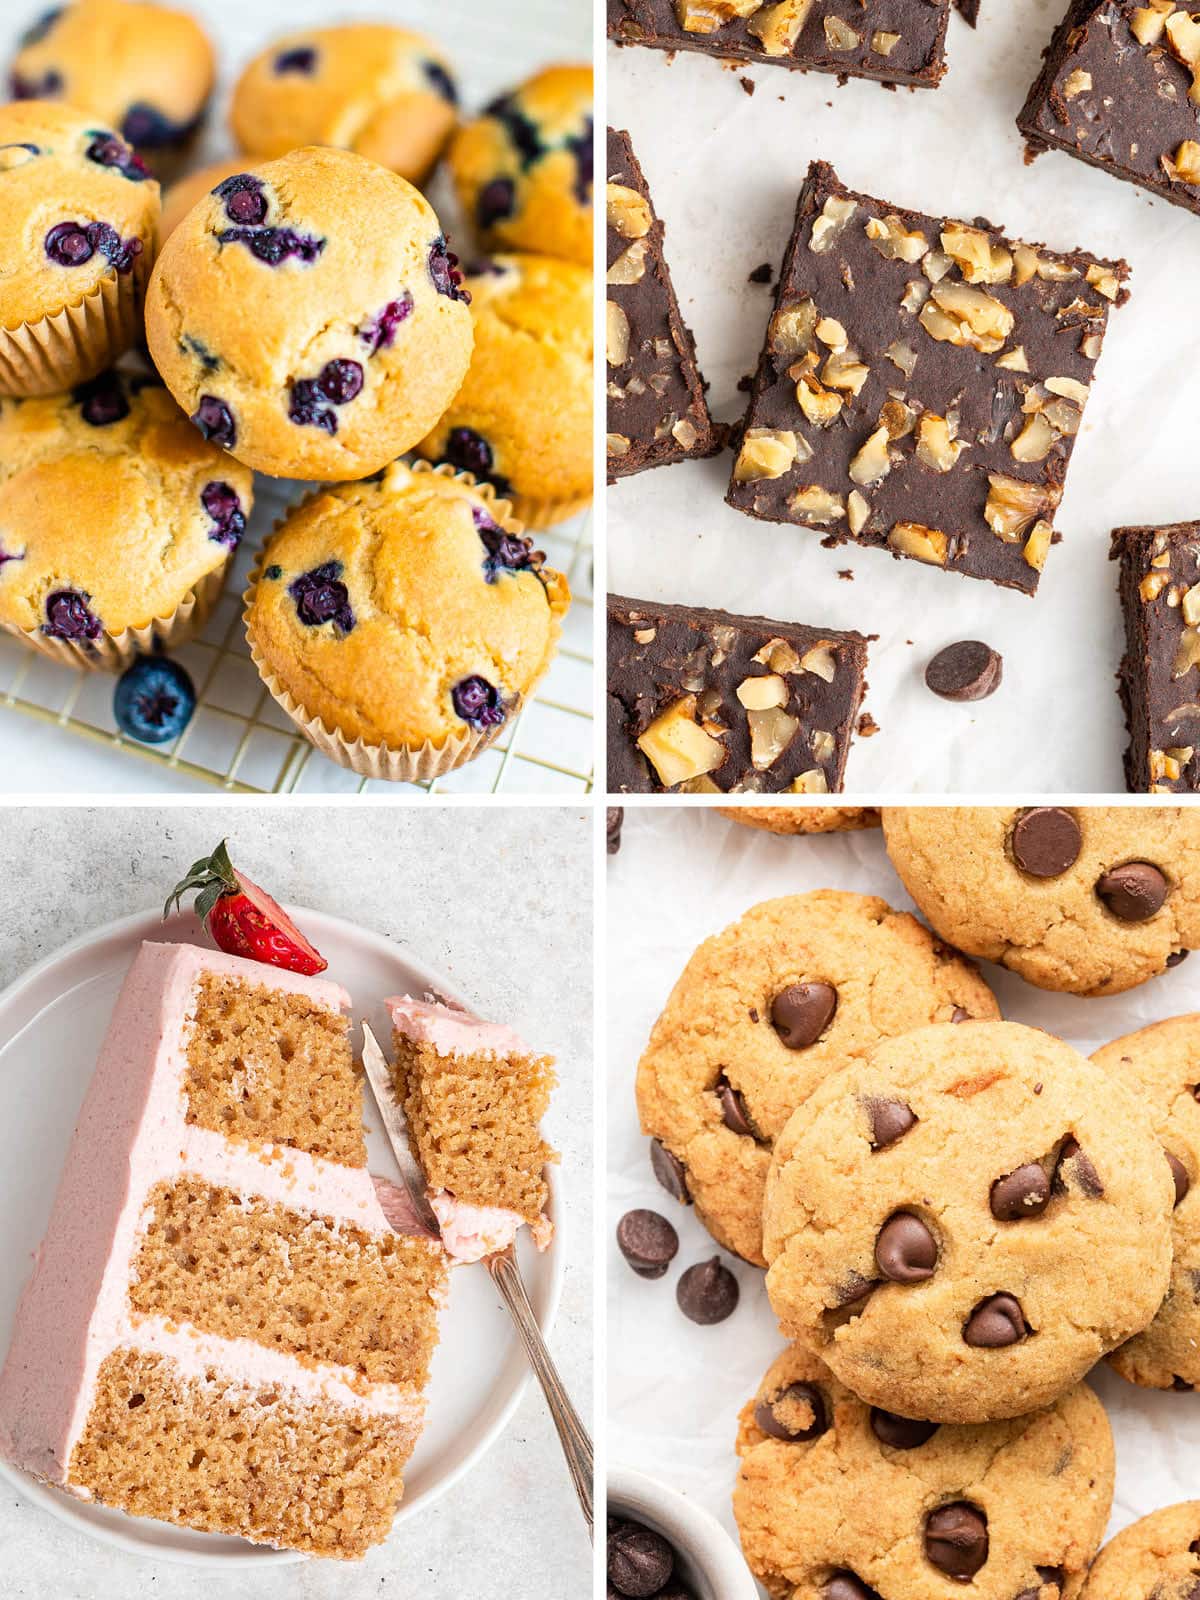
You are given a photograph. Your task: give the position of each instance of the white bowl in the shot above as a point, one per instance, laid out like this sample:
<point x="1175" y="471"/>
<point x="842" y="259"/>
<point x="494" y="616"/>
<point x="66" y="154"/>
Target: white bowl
<point x="709" y="1562"/>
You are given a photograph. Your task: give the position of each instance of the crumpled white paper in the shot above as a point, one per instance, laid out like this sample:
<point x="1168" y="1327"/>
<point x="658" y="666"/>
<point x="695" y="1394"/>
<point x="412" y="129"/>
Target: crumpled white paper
<point x="675" y="1389"/>
<point x="725" y="169"/>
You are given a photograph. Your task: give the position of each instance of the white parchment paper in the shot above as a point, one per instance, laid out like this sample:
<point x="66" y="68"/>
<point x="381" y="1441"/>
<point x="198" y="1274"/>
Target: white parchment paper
<point x="675" y="1389"/>
<point x="724" y="169"/>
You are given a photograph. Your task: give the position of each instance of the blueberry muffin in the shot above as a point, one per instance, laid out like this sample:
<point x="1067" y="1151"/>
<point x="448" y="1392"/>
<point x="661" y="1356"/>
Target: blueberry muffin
<point x="187" y="192"/>
<point x="142" y="69"/>
<point x="117" y="521"/>
<point x="309" y="317"/>
<point x="78" y="215"/>
<point x="385" y="92"/>
<point x="522" y="421"/>
<point x="401" y="622"/>
<point x="523" y="170"/>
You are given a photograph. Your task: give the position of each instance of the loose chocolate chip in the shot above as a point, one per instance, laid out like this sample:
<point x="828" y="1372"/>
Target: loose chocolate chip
<point x="640" y="1561"/>
<point x="616" y="816"/>
<point x="1052" y="1576"/>
<point x="848" y="1586"/>
<point x="905" y="1251"/>
<point x="890" y="1120"/>
<point x="648" y="1242"/>
<point x="707" y="1292"/>
<point x="1046" y="840"/>
<point x="801" y="1013"/>
<point x="995" y="1322"/>
<point x="900" y="1433"/>
<point x="968" y="670"/>
<point x="733" y="1109"/>
<point x="1134" y="892"/>
<point x="670" y="1172"/>
<point x="1183" y="1386"/>
<point x="771" y="1415"/>
<point x="1177" y="957"/>
<point x="1025" y="1192"/>
<point x="1084" y="1172"/>
<point x="1180" y="1174"/>
<point x="956" y="1539"/>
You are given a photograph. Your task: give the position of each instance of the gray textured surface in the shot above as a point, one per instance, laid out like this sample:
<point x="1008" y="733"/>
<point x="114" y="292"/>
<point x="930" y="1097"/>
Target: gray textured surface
<point x="500" y="898"/>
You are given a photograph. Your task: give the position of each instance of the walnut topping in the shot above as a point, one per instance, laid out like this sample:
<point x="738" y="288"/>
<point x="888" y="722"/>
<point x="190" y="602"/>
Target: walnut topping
<point x="840" y="35"/>
<point x="1185" y="168"/>
<point x="830" y="332"/>
<point x="894" y="242"/>
<point x="765" y="453"/>
<point x="1153" y="584"/>
<point x="617" y="335"/>
<point x="1188" y="654"/>
<point x="706" y="16"/>
<point x="628" y="212"/>
<point x="822" y="745"/>
<point x="760" y="694"/>
<point x="1014" y="505"/>
<point x="677" y="747"/>
<point x="618" y="444"/>
<point x="820" y="406"/>
<point x="916" y="292"/>
<point x="1035" y="440"/>
<point x="1069" y="388"/>
<point x="820" y="661"/>
<point x="778" y="655"/>
<point x="778" y="27"/>
<point x="898" y="417"/>
<point x="977" y="258"/>
<point x="1191" y="606"/>
<point x="845" y="371"/>
<point x="817" y="504"/>
<point x="835" y="214"/>
<point x="936" y="447"/>
<point x="792" y="330"/>
<point x="1183" y="36"/>
<point x="1037" y="545"/>
<point x="1147" y="22"/>
<point x="1076" y="83"/>
<point x="858" y="512"/>
<point x="959" y="314"/>
<point x="771" y="731"/>
<point x="645" y="635"/>
<point x="630" y="265"/>
<point x="925" y="544"/>
<point x="1104" y="280"/>
<point x="872" y="463"/>
<point x="814" y="782"/>
<point x="884" y="43"/>
<point x="1169" y="764"/>
<point x="903" y="356"/>
<point x="684" y="433"/>
<point x="1014" y="360"/>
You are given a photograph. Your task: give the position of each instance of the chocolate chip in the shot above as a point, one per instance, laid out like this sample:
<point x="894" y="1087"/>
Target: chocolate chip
<point x="855" y="1290"/>
<point x="1046" y="840"/>
<point x="802" y="1012"/>
<point x="648" y="1242"/>
<point x="995" y="1322"/>
<point x="959" y="1015"/>
<point x="670" y="1172"/>
<point x="771" y="1415"/>
<point x="733" y="1109"/>
<point x="616" y="816"/>
<point x="707" y="1293"/>
<point x="1180" y="1174"/>
<point x="1177" y="957"/>
<point x="640" y="1561"/>
<point x="956" y="1539"/>
<point x="1084" y="1172"/>
<point x="900" y="1433"/>
<point x="968" y="670"/>
<point x="1024" y="1192"/>
<point x="848" y="1586"/>
<point x="1049" y="1577"/>
<point x="890" y="1120"/>
<point x="905" y="1251"/>
<point x="1183" y="1386"/>
<point x="1134" y="892"/>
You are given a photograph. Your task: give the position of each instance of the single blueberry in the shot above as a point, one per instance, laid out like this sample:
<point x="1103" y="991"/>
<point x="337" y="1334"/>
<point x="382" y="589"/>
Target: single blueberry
<point x="146" y="126"/>
<point x="340" y="381"/>
<point x="478" y="702"/>
<point x="302" y="59"/>
<point x="101" y="400"/>
<point x="221" y="502"/>
<point x="40" y="27"/>
<point x="215" y="421"/>
<point x="68" y="245"/>
<point x="496" y="201"/>
<point x="505" y="552"/>
<point x="154" y="700"/>
<point x="521" y="130"/>
<point x="118" y="252"/>
<point x="581" y="147"/>
<point x="380" y="332"/>
<point x="471" y="452"/>
<point x="274" y="245"/>
<point x="441" y="80"/>
<point x="106" y="150"/>
<point x="321" y="597"/>
<point x="273" y="572"/>
<point x="68" y="616"/>
<point x="202" y="353"/>
<point x="247" y="205"/>
<point x="44" y="88"/>
<point x="308" y="407"/>
<point x="443" y="269"/>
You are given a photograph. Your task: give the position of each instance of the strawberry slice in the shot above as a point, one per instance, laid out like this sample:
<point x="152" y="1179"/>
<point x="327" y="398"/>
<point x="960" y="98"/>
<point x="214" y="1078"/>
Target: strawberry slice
<point x="241" y="918"/>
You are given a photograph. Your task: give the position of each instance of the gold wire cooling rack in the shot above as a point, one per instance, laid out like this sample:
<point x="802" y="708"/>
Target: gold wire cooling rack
<point x="240" y="741"/>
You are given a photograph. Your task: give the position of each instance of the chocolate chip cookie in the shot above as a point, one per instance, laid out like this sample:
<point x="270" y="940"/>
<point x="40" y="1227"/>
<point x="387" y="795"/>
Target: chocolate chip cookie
<point x="1160" y="1556"/>
<point x="963" y="1224"/>
<point x="761" y="1014"/>
<point x="803" y="819"/>
<point x="1089" y="899"/>
<point x="839" y="1499"/>
<point x="1162" y="1062"/>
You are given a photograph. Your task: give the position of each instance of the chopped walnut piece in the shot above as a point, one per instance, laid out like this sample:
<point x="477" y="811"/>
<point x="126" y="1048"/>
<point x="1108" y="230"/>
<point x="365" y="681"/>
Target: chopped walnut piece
<point x="778" y="27"/>
<point x="760" y="694"/>
<point x="617" y="335"/>
<point x="1037" y="545"/>
<point x="820" y="661"/>
<point x="1035" y="440"/>
<point x="618" y="444"/>
<point x="1153" y="584"/>
<point x="1070" y="389"/>
<point x="835" y="214"/>
<point x="1076" y="83"/>
<point x="1186" y="165"/>
<point x="884" y="43"/>
<point x="822" y="745"/>
<point x="1014" y="360"/>
<point x="894" y="242"/>
<point x="684" y="433"/>
<point x="771" y="731"/>
<point x="677" y="747"/>
<point x="814" y="782"/>
<point x="839" y="35"/>
<point x="779" y="655"/>
<point x="916" y="292"/>
<point x="926" y="544"/>
<point x="630" y="265"/>
<point x="1191" y="606"/>
<point x="1014" y="505"/>
<point x="845" y="371"/>
<point x="935" y="446"/>
<point x="858" y="512"/>
<point x="830" y="332"/>
<point x="872" y="462"/>
<point x="817" y="504"/>
<point x="765" y="453"/>
<point x="820" y="406"/>
<point x="1183" y="36"/>
<point x="1104" y="280"/>
<point x="898" y="418"/>
<point x="959" y="314"/>
<point x="628" y="212"/>
<point x="706" y="16"/>
<point x="792" y="330"/>
<point x="1188" y="654"/>
<point x="903" y="356"/>
<point x="645" y="635"/>
<point x="1147" y="22"/>
<point x="977" y="258"/>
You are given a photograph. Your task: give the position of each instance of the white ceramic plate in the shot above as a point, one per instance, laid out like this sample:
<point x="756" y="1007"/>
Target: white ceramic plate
<point x="52" y="1022"/>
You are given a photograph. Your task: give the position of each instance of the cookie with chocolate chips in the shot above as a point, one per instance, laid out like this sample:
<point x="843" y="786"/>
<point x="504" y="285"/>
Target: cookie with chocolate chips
<point x="966" y="1222"/>
<point x="1089" y="900"/>
<point x="1159" y="1555"/>
<point x="803" y="819"/>
<point x="837" y="1500"/>
<point x="1162" y="1063"/>
<point x="761" y="1014"/>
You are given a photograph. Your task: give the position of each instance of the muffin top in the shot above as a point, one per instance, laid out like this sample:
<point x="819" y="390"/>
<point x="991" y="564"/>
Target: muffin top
<point x="76" y="206"/>
<point x="141" y="69"/>
<point x="523" y="417"/>
<point x="111" y="508"/>
<point x="309" y="317"/>
<point x="404" y="610"/>
<point x="524" y="168"/>
<point x="382" y="91"/>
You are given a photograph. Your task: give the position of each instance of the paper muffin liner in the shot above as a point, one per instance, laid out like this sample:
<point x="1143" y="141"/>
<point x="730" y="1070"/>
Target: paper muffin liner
<point x="545" y="513"/>
<point x="54" y="353"/>
<point x="113" y="652"/>
<point x="404" y="763"/>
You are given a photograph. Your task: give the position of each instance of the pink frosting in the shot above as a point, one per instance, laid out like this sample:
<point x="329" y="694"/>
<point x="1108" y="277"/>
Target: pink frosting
<point x="131" y="1134"/>
<point x="471" y="1232"/>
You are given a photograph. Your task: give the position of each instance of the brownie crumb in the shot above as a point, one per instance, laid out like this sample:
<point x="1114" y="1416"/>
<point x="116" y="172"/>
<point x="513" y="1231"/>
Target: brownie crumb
<point x="745" y="383"/>
<point x="747" y="84"/>
<point x="867" y="726"/>
<point x="846" y="574"/>
<point x="761" y="274"/>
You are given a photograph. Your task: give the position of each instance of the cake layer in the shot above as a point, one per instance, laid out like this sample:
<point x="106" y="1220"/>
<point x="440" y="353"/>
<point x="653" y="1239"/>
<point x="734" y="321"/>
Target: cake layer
<point x="247" y="1269"/>
<point x="265" y="1065"/>
<point x="228" y="1458"/>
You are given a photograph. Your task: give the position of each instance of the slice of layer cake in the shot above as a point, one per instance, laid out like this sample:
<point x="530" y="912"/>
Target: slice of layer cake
<point x="221" y="1329"/>
<point x="474" y="1095"/>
